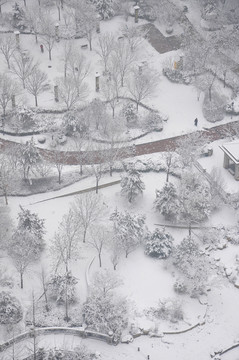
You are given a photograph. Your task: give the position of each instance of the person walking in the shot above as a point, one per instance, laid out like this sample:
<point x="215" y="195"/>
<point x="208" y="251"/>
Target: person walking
<point x="196" y="122"/>
<point x="42" y="48"/>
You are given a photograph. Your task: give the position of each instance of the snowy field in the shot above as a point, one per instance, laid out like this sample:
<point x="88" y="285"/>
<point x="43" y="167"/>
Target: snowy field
<point x="145" y="280"/>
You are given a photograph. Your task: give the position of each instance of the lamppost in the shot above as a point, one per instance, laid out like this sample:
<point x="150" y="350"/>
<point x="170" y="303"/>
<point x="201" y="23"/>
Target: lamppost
<point x="17" y="35"/>
<point x="57" y="32"/>
<point x="97" y="82"/>
<point x="136" y="13"/>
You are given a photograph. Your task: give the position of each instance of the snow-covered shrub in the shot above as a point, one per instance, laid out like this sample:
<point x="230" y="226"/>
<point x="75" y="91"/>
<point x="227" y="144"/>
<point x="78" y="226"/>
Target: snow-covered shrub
<point x="214" y="109"/>
<point x="18" y="17"/>
<point x="166" y="201"/>
<point x="105" y="8"/>
<point x="61" y="286"/>
<point x="74" y="120"/>
<point x="79" y="353"/>
<point x="176" y="76"/>
<point x="180" y="286"/>
<point x="159" y="244"/>
<point x="24" y="117"/>
<point x="10" y="309"/>
<point x="106" y="313"/>
<point x="211" y="237"/>
<point x="153" y="122"/>
<point x="131" y="184"/>
<point x="55" y="316"/>
<point x="130" y="113"/>
<point x="169" y="309"/>
<point x="193" y="265"/>
<point x="232" y="235"/>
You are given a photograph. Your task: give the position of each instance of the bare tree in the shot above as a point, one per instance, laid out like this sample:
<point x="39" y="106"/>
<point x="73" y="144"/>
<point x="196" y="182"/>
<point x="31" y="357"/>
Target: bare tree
<point x="22" y="66"/>
<point x="70" y="94"/>
<point x="134" y="36"/>
<point x="48" y="32"/>
<point x="86" y="20"/>
<point x="64" y="246"/>
<point x="123" y="57"/>
<point x="33" y="19"/>
<point x="7" y="47"/>
<point x="142" y="86"/>
<point x="8" y="88"/>
<point x="106" y="45"/>
<point x="23" y="251"/>
<point x="59" y="160"/>
<point x="88" y="208"/>
<point x="36" y="83"/>
<point x="78" y="68"/>
<point x="110" y="94"/>
<point x="99" y="236"/>
<point x="170" y="161"/>
<point x="66" y="54"/>
<point x="188" y="148"/>
<point x="44" y="282"/>
<point x="6" y="176"/>
<point x="2" y="2"/>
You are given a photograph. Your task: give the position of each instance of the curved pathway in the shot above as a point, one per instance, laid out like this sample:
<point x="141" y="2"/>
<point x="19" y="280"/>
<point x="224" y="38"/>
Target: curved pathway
<point x="168" y="144"/>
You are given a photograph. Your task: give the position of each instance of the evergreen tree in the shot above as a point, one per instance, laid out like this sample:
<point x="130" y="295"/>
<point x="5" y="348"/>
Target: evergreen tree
<point x="18" y="16"/>
<point x="129" y="230"/>
<point x="131" y="184"/>
<point x="159" y="244"/>
<point x="105" y="8"/>
<point x="166" y="201"/>
<point x="31" y="222"/>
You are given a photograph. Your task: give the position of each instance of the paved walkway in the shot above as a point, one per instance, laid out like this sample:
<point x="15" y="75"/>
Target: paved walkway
<point x="169" y="144"/>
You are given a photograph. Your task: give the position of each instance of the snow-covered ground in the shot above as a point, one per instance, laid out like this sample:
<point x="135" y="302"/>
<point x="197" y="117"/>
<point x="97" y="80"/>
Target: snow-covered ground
<point x="145" y="280"/>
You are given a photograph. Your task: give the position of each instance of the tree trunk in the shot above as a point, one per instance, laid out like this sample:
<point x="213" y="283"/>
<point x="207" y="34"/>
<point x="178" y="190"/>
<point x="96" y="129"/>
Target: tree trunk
<point x="113" y="109"/>
<point x="36" y="38"/>
<point x="5" y="196"/>
<point x="190" y="229"/>
<point x="49" y="51"/>
<point x="97" y="186"/>
<point x="90" y="43"/>
<point x="21" y="278"/>
<point x="84" y="234"/>
<point x="59" y="13"/>
<point x="111" y="170"/>
<point x="59" y="176"/>
<point x="25" y="4"/>
<point x="167" y="177"/>
<point x="115" y="266"/>
<point x="36" y="104"/>
<point x="137" y="106"/>
<point x="210" y="92"/>
<point x="100" y="262"/>
<point x="81" y="169"/>
<point x="8" y="64"/>
<point x="0" y="9"/>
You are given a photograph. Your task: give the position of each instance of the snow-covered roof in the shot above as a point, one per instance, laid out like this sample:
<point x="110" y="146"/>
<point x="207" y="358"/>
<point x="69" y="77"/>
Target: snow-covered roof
<point x="232" y="150"/>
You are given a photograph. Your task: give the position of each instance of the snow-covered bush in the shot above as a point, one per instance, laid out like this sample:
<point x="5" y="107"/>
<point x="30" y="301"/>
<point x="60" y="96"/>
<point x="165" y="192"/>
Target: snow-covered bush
<point x="61" y="286"/>
<point x="73" y="121"/>
<point x="130" y="113"/>
<point x="176" y="76"/>
<point x="79" y="353"/>
<point x="105" y="8"/>
<point x="10" y="309"/>
<point x="169" y="309"/>
<point x="18" y="17"/>
<point x="180" y="286"/>
<point x="193" y="265"/>
<point x="214" y="109"/>
<point x="159" y="244"/>
<point x="131" y="184"/>
<point x="153" y="122"/>
<point x="55" y="316"/>
<point x="232" y="235"/>
<point x="212" y="237"/>
<point x="166" y="201"/>
<point x="25" y="117"/>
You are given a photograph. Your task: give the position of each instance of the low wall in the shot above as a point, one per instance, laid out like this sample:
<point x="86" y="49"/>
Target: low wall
<point x="81" y="332"/>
